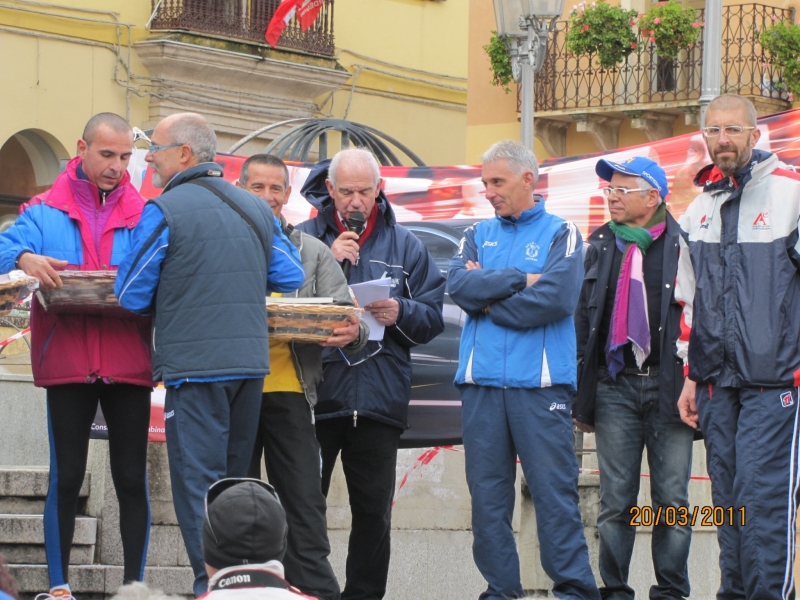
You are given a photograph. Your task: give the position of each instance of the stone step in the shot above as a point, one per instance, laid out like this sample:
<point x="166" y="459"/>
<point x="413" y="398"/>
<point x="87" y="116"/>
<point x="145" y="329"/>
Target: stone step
<point x="34" y="554"/>
<point x="88" y="580"/>
<point x="29" y="529"/>
<point x="30" y="482"/>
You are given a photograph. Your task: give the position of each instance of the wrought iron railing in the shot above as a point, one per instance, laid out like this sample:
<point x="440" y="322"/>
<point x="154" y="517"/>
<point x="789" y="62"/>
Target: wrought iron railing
<point x="574" y="82"/>
<point x="245" y="20"/>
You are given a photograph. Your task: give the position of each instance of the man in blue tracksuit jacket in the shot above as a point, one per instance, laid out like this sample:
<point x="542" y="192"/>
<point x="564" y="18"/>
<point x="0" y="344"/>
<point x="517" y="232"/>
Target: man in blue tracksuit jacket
<point x="204" y="256"/>
<point x="518" y="277"/>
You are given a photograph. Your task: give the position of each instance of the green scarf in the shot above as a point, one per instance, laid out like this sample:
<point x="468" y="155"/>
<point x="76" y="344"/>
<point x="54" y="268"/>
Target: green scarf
<point x="640" y="236"/>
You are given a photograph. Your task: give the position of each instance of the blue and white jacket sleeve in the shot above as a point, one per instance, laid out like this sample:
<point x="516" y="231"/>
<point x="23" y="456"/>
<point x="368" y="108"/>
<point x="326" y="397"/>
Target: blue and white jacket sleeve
<point x="285" y="271"/>
<point x="476" y="289"/>
<point x="140" y="270"/>
<point x="25" y="235"/>
<point x="555" y="295"/>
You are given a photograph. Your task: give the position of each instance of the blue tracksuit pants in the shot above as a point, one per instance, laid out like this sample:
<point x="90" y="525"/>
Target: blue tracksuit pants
<point x="751" y="438"/>
<point x="536" y="425"/>
<point x="211" y="430"/>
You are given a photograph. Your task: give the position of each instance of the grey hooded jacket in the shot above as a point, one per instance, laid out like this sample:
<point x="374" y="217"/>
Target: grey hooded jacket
<point x="323" y="279"/>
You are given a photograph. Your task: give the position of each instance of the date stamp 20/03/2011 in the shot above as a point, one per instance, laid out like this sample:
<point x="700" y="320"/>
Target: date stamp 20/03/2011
<point x="705" y="516"/>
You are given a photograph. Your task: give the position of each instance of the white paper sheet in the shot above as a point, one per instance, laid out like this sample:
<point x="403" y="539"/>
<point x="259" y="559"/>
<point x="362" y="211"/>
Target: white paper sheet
<point x="367" y="293"/>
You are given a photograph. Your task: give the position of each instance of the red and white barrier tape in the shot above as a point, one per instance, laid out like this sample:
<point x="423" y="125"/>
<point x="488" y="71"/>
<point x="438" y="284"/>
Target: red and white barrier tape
<point x="431" y="453"/>
<point x="14" y="337"/>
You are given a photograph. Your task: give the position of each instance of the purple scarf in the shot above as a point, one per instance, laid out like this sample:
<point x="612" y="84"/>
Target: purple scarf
<point x="629" y="319"/>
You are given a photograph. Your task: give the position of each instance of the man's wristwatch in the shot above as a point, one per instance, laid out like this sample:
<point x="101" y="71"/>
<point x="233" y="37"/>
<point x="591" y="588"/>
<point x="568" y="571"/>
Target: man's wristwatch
<point x="16" y="262"/>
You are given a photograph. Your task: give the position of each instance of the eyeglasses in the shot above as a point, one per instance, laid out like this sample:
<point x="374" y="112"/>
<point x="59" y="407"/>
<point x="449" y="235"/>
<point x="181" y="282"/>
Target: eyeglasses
<point x="225" y="484"/>
<point x="153" y="149"/>
<point x="730" y="131"/>
<point x="607" y="191"/>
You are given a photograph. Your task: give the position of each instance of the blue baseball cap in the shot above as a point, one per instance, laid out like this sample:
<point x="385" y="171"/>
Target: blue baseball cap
<point x="638" y="167"/>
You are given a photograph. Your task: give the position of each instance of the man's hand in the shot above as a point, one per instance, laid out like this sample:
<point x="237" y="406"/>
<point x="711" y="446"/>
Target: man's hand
<point x="583" y="426"/>
<point x="533" y="278"/>
<point x="687" y="404"/>
<point x="41" y="267"/>
<point x="345" y="247"/>
<point x="344" y="335"/>
<point x="384" y="311"/>
<point x="472" y="265"/>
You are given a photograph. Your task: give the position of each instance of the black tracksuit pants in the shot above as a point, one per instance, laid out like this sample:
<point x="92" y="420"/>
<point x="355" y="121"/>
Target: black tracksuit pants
<point x="369" y="460"/>
<point x="70" y="411"/>
<point x="287" y="439"/>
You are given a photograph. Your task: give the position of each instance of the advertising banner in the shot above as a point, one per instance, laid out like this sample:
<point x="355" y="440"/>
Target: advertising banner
<point x="438" y="203"/>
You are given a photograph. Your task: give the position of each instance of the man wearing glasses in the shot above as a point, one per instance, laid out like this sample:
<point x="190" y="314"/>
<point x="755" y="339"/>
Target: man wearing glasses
<point x="630" y="377"/>
<point x="203" y="258"/>
<point x="738" y="280"/>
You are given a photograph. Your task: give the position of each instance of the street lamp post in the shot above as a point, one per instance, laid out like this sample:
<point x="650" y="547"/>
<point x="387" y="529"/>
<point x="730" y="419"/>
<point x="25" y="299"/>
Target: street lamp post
<point x="712" y="51"/>
<point x="523" y="25"/>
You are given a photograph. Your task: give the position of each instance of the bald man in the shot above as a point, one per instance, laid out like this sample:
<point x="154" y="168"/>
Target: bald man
<point x="85" y="221"/>
<point x="205" y="256"/>
<point x="739" y="283"/>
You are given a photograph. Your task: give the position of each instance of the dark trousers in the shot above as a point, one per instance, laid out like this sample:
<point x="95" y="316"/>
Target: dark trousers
<point x="627" y="420"/>
<point x="751" y="438"/>
<point x="211" y="429"/>
<point x="536" y="425"/>
<point x="287" y="439"/>
<point x="70" y="411"/>
<point x="369" y="460"/>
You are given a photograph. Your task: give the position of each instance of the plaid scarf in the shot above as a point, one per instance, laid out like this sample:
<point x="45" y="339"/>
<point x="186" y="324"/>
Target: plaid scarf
<point x="629" y="320"/>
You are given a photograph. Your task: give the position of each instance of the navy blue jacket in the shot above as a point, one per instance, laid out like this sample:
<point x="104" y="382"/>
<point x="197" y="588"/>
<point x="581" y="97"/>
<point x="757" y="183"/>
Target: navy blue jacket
<point x="376" y="382"/>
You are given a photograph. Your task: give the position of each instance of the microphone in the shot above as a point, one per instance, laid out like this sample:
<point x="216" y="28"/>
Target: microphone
<point x="355" y="224"/>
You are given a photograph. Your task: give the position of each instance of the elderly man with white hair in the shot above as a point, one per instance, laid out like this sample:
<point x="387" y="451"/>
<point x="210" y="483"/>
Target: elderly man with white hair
<point x="203" y="259"/>
<point x="518" y="277"/>
<point x="363" y="398"/>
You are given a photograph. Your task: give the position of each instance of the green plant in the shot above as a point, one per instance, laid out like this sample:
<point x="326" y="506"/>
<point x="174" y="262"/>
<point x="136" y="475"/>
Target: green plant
<point x="672" y="27"/>
<point x="782" y="43"/>
<point x="499" y="61"/>
<point x="603" y="30"/>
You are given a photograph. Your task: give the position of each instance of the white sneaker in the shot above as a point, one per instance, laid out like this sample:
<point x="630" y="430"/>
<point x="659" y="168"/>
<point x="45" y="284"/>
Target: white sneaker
<point x="59" y="594"/>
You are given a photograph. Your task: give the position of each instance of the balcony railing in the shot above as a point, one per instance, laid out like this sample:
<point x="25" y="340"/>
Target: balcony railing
<point x="245" y="20"/>
<point x="575" y="82"/>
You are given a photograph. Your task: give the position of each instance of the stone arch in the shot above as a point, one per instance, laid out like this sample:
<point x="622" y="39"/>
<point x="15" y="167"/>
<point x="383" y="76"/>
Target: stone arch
<point x="30" y="160"/>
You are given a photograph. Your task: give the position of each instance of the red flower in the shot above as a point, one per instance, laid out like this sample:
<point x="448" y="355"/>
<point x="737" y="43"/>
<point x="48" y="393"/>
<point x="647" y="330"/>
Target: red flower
<point x="633" y="45"/>
<point x="633" y="22"/>
<point x="652" y="40"/>
<point x="657" y="20"/>
<point x="695" y="24"/>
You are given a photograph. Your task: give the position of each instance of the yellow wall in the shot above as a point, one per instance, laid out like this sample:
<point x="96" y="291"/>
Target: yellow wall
<point x="412" y="54"/>
<point x="55" y="85"/>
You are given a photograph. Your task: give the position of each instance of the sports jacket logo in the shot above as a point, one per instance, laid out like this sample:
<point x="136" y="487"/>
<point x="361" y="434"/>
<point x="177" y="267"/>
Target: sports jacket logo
<point x="532" y="251"/>
<point x="704" y="223"/>
<point x="488" y="243"/>
<point x="762" y="221"/>
<point x="786" y="399"/>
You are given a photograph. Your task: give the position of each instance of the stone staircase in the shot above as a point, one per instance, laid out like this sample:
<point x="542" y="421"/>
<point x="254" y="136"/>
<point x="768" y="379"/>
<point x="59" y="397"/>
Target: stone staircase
<point x="22" y="496"/>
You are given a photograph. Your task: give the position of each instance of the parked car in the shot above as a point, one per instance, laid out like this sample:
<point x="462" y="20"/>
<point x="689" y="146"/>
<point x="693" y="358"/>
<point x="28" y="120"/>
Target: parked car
<point x="434" y="416"/>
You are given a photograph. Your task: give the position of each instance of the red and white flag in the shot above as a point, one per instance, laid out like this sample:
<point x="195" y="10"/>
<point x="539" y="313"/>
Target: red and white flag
<point x="308" y="12"/>
<point x="280" y="19"/>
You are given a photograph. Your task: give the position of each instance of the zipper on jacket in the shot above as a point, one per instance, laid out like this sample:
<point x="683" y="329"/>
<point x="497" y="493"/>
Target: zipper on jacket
<point x="355" y="418"/>
<point x="299" y="369"/>
<point x="47" y="343"/>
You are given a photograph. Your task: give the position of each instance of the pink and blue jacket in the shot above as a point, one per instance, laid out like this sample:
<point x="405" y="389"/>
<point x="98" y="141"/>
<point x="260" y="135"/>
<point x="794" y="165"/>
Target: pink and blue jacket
<point x="73" y="348"/>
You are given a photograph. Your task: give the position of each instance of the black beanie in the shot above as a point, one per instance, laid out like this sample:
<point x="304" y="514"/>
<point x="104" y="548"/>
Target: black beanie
<point x="245" y="524"/>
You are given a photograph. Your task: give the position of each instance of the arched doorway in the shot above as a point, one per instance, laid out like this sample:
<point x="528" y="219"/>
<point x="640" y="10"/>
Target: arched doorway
<point x="30" y="160"/>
